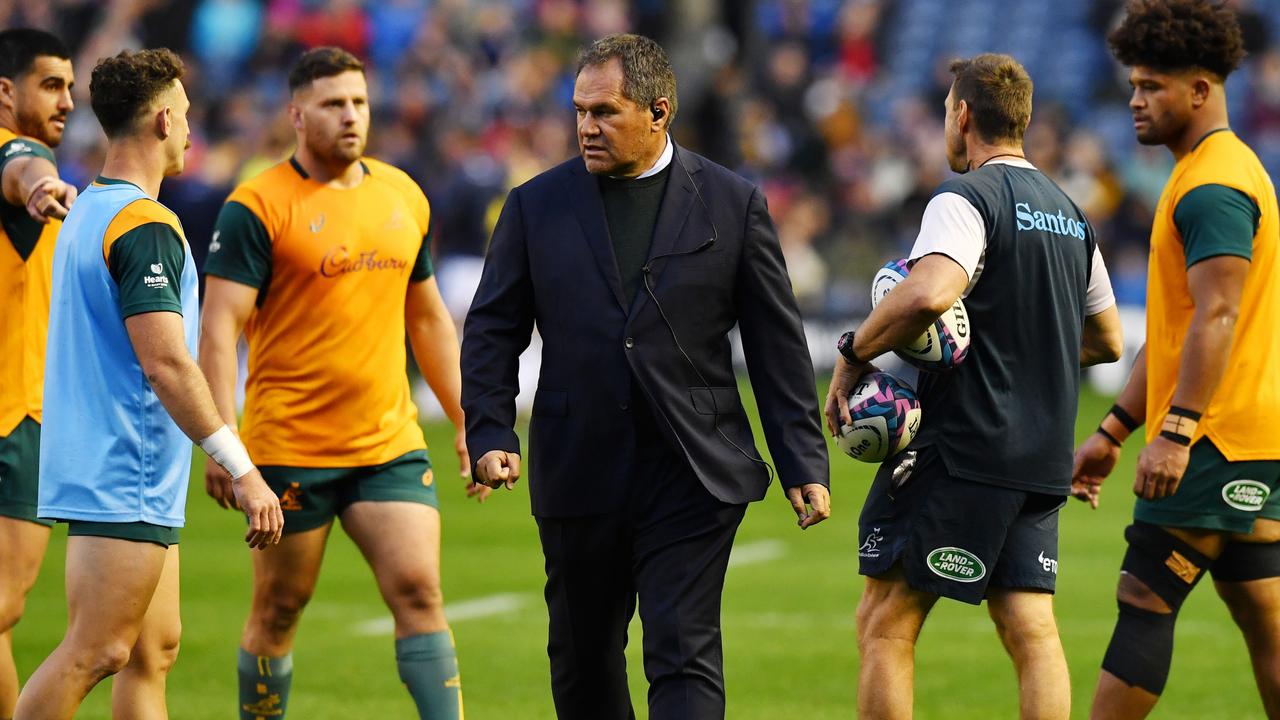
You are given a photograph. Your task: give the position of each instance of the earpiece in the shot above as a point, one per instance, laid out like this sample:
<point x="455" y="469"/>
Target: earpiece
<point x="657" y="112"/>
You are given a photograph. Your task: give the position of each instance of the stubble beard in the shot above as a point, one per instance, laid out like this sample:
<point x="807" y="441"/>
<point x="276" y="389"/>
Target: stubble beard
<point x="39" y="127"/>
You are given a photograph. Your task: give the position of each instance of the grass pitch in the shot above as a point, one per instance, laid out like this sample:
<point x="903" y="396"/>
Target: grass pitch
<point x="788" y="617"/>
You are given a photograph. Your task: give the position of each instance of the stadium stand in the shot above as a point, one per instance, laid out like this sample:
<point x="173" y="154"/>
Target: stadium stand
<point x="833" y="107"/>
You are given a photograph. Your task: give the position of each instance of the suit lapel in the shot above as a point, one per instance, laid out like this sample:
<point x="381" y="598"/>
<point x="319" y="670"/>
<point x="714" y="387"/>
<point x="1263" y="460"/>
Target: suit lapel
<point x="584" y="195"/>
<point x="677" y="200"/>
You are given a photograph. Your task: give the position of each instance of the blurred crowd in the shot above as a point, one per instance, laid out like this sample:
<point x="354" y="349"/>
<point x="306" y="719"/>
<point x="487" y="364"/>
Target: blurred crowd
<point x="833" y="106"/>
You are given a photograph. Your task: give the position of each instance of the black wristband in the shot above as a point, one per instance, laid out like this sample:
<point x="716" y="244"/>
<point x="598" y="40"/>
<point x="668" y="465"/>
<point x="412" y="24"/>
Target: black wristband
<point x="1124" y="417"/>
<point x="1111" y="438"/>
<point x="1183" y="412"/>
<point x="845" y="346"/>
<point x="1174" y="437"/>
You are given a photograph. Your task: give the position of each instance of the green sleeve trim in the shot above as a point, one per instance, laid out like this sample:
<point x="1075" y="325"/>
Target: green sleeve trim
<point x="1216" y="220"/>
<point x="423" y="269"/>
<point x="241" y="248"/>
<point x="24" y="147"/>
<point x="146" y="264"/>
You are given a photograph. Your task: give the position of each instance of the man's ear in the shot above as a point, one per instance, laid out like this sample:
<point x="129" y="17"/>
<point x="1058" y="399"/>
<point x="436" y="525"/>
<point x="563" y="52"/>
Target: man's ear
<point x="1201" y="87"/>
<point x="962" y="116"/>
<point x="164" y="122"/>
<point x="295" y="116"/>
<point x="660" y="113"/>
<point x="8" y="93"/>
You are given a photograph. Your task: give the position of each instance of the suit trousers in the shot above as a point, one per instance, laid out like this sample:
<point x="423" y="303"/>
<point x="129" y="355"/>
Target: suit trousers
<point x="669" y="548"/>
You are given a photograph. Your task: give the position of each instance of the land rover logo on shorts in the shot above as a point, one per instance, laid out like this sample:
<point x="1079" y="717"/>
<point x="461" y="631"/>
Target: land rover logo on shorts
<point x="954" y="563"/>
<point x="1249" y="495"/>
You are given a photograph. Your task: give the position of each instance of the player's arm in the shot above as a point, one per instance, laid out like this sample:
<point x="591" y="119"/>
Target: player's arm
<point x="158" y="340"/>
<point x="1103" y="337"/>
<point x="934" y="284"/>
<point x="29" y="178"/>
<point x="227" y="307"/>
<point x="1216" y="285"/>
<point x="146" y="263"/>
<point x="950" y="245"/>
<point x="237" y="273"/>
<point x="435" y="348"/>
<point x="1217" y="225"/>
<point x="1098" y="453"/>
<point x="1103" y="340"/>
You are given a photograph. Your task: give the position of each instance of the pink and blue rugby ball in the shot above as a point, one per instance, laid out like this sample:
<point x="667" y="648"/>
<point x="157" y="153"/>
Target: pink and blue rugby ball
<point x="945" y="344"/>
<point x="886" y="418"/>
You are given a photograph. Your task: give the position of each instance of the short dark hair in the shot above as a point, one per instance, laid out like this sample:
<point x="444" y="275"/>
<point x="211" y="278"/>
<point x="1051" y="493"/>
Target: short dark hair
<point x="322" y="62"/>
<point x="998" y="91"/>
<point x="1175" y="35"/>
<point x="20" y="47"/>
<point x="646" y="71"/>
<point x="123" y="87"/>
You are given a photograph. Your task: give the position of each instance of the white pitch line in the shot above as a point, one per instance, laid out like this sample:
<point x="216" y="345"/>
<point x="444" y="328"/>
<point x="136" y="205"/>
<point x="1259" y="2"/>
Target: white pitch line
<point x="472" y="609"/>
<point x="489" y="605"/>
<point x="756" y="552"/>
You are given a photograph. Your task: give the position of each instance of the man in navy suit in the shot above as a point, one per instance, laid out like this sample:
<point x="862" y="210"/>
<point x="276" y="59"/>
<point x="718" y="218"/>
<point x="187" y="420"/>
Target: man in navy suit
<point x="635" y="261"/>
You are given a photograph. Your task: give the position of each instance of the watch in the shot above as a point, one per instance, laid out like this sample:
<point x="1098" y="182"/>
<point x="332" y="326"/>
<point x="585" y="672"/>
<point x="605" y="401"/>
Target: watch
<point x="845" y="346"/>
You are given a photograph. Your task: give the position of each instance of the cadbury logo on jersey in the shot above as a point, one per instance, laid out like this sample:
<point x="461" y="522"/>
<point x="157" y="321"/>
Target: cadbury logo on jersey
<point x="339" y="261"/>
<point x="1059" y="224"/>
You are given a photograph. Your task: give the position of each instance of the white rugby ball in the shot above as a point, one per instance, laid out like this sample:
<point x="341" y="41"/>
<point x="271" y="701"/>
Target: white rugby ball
<point x="945" y="344"/>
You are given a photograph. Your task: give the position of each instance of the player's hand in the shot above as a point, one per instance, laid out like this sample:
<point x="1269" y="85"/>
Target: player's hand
<point x="50" y="198"/>
<point x="843" y="378"/>
<point x="498" y="467"/>
<point x="474" y="489"/>
<point x="816" y="497"/>
<point x="1095" y="459"/>
<point x="217" y="482"/>
<point x="262" y="507"/>
<point x="1160" y="469"/>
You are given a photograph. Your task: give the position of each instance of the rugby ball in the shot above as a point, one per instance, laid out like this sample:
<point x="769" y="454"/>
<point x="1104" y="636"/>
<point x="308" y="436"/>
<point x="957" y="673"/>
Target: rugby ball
<point x="945" y="344"/>
<point x="886" y="418"/>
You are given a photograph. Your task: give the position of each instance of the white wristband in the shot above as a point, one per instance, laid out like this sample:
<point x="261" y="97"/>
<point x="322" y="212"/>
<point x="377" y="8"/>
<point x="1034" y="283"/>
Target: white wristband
<point x="226" y="449"/>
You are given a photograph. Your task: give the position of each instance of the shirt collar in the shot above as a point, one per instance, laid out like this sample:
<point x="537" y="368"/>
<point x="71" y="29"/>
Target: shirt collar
<point x="1014" y="161"/>
<point x="664" y="160"/>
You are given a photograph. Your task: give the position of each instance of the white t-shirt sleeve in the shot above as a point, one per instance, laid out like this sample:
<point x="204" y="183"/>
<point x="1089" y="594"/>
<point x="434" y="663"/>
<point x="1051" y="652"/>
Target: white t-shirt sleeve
<point x="952" y="226"/>
<point x="1099" y="296"/>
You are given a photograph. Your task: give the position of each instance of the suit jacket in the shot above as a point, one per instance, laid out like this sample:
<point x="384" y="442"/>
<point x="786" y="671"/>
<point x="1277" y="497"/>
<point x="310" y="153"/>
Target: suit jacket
<point x="712" y="266"/>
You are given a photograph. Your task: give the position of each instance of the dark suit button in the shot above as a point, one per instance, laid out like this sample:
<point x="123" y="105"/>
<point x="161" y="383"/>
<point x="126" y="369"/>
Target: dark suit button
<point x="630" y="343"/>
<point x="623" y="406"/>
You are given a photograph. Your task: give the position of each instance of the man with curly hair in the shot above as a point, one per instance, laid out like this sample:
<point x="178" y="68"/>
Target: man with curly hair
<point x="1207" y="383"/>
<point x="123" y="399"/>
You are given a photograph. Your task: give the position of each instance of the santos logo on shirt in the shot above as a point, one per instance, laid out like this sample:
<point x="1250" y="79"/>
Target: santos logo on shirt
<point x="339" y="261"/>
<point x="159" y="280"/>
<point x="1029" y="219"/>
